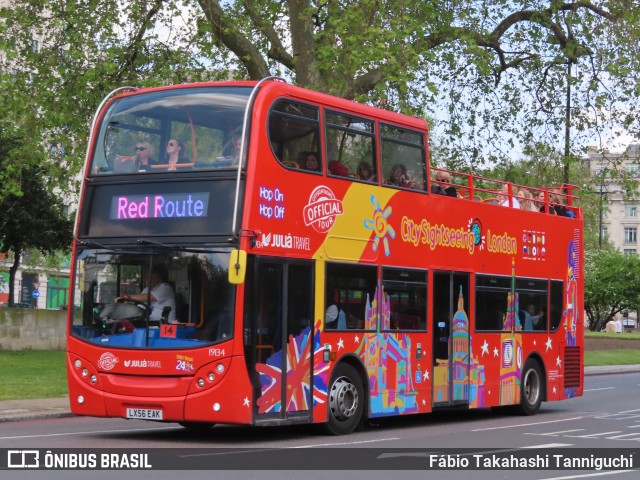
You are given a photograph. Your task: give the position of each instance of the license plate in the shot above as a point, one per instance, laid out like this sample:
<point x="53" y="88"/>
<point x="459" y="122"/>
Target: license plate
<point x="144" y="413"/>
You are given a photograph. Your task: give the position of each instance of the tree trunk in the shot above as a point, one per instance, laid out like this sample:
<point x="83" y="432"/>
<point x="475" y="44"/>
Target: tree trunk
<point x="12" y="275"/>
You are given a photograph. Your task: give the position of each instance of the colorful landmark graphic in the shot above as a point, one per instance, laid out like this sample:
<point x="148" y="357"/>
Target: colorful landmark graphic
<point x="570" y="312"/>
<point x="394" y="378"/>
<point x="386" y="357"/>
<point x="467" y="375"/>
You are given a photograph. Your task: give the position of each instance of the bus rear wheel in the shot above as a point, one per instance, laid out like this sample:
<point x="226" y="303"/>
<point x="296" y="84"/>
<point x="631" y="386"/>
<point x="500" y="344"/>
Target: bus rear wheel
<point x="531" y="388"/>
<point x="346" y="401"/>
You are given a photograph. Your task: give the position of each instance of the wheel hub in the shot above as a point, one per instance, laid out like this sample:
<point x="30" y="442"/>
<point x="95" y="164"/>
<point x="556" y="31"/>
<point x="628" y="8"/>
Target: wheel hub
<point x="343" y="399"/>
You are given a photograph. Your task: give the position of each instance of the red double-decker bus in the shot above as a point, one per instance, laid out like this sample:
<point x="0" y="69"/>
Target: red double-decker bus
<point x="257" y="253"/>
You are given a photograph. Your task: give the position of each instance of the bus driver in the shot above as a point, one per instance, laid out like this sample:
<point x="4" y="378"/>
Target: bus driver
<point x="160" y="296"/>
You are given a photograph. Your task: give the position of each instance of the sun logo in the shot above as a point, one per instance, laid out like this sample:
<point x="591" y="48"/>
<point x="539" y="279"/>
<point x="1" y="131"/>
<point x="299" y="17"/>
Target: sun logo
<point x="380" y="226"/>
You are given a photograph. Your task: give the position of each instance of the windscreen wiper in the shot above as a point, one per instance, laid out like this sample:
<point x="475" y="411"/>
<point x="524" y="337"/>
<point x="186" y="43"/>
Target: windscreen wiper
<point x="91" y="243"/>
<point x="146" y="241"/>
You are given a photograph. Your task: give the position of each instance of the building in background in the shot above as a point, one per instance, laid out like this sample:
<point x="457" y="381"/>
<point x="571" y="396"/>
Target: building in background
<point x="619" y="222"/>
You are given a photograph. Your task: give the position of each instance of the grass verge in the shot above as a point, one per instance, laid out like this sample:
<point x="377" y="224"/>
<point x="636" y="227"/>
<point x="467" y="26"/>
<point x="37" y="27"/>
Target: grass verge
<point x="32" y="374"/>
<point x="595" y="358"/>
<point x="616" y="336"/>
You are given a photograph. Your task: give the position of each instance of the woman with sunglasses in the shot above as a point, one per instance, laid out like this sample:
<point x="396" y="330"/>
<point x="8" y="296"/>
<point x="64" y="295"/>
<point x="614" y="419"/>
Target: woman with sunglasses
<point x="175" y="153"/>
<point x="143" y="156"/>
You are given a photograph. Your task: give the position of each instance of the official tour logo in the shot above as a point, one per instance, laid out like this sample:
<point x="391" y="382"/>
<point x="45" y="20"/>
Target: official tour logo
<point x="107" y="361"/>
<point x="322" y="209"/>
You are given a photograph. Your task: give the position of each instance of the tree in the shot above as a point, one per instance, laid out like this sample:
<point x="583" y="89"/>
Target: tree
<point x="611" y="285"/>
<point x="492" y="75"/>
<point x="32" y="215"/>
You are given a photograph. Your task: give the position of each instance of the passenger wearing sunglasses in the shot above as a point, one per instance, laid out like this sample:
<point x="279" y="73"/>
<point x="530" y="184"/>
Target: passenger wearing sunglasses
<point x="175" y="153"/>
<point x="143" y="156"/>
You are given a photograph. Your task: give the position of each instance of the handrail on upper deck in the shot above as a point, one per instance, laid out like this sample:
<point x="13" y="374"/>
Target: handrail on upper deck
<point x="478" y="188"/>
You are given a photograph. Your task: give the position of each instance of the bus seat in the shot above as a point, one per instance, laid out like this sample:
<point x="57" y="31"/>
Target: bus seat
<point x="291" y="164"/>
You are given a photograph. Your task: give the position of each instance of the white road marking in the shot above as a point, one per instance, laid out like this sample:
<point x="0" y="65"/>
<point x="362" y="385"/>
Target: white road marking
<point x="593" y="435"/>
<point x="553" y="434"/>
<point x="630" y="411"/>
<point x="618" y="437"/>
<point x="346" y="443"/>
<point x="550" y="445"/>
<point x="212" y="454"/>
<point x="87" y="433"/>
<point x="596" y="389"/>
<point x="526" y="424"/>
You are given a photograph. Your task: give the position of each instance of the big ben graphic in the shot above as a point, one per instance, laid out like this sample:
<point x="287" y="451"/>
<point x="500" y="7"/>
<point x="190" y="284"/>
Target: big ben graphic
<point x="460" y="352"/>
<point x="510" y="350"/>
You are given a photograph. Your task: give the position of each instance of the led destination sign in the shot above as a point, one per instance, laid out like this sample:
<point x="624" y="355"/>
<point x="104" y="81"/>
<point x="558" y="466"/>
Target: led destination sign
<point x="168" y="205"/>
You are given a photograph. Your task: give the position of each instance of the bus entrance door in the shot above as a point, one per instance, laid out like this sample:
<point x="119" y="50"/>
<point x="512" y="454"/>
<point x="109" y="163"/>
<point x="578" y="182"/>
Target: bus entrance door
<point x="283" y="340"/>
<point x="450" y="338"/>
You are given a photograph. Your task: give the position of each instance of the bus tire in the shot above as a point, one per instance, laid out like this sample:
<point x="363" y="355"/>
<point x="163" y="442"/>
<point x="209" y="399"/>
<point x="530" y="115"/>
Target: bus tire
<point x="346" y="401"/>
<point x="197" y="426"/>
<point x="531" y="388"/>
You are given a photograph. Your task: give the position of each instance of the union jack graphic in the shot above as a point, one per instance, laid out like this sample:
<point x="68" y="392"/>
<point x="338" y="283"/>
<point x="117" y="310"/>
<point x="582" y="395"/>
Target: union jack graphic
<point x="298" y="394"/>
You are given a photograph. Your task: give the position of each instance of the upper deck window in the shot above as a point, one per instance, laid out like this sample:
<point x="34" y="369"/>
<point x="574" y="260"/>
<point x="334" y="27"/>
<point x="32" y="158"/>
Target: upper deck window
<point x="175" y="129"/>
<point x="350" y="146"/>
<point x="294" y="133"/>
<point x="403" y="157"/>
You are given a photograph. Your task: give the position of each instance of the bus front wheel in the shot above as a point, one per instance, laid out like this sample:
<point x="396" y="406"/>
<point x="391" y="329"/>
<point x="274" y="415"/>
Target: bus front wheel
<point x="346" y="401"/>
<point x="531" y="388"/>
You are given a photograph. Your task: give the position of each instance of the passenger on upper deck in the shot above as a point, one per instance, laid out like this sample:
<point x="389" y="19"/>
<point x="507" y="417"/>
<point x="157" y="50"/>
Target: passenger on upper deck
<point x="365" y="172"/>
<point x="525" y="198"/>
<point x="175" y="153"/>
<point x="558" y="199"/>
<point x="311" y="162"/>
<point x="542" y="206"/>
<point x="336" y="167"/>
<point x="143" y="156"/>
<point x="504" y="198"/>
<point x="442" y="185"/>
<point x="398" y="176"/>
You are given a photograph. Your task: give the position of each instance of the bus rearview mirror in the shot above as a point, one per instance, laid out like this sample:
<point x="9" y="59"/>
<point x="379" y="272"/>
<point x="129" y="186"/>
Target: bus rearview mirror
<point x="237" y="266"/>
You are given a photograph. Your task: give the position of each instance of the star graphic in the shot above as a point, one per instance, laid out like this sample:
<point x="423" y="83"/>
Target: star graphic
<point x="424" y="402"/>
<point x="548" y="344"/>
<point x="426" y="375"/>
<point x="246" y="402"/>
<point x="357" y="339"/>
<point x="535" y="343"/>
<point x="558" y="361"/>
<point x="485" y="348"/>
<point x="495" y="351"/>
<point x="340" y="344"/>
<point x="554" y="390"/>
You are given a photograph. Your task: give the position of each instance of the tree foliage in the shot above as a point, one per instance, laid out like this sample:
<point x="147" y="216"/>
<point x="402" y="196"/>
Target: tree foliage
<point x="492" y="73"/>
<point x="31" y="216"/>
<point x="611" y="285"/>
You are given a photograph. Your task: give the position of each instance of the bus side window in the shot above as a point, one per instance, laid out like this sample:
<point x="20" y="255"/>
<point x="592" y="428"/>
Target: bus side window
<point x="347" y="290"/>
<point x="350" y="142"/>
<point x="294" y="131"/>
<point x="403" y="149"/>
<point x="492" y="302"/>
